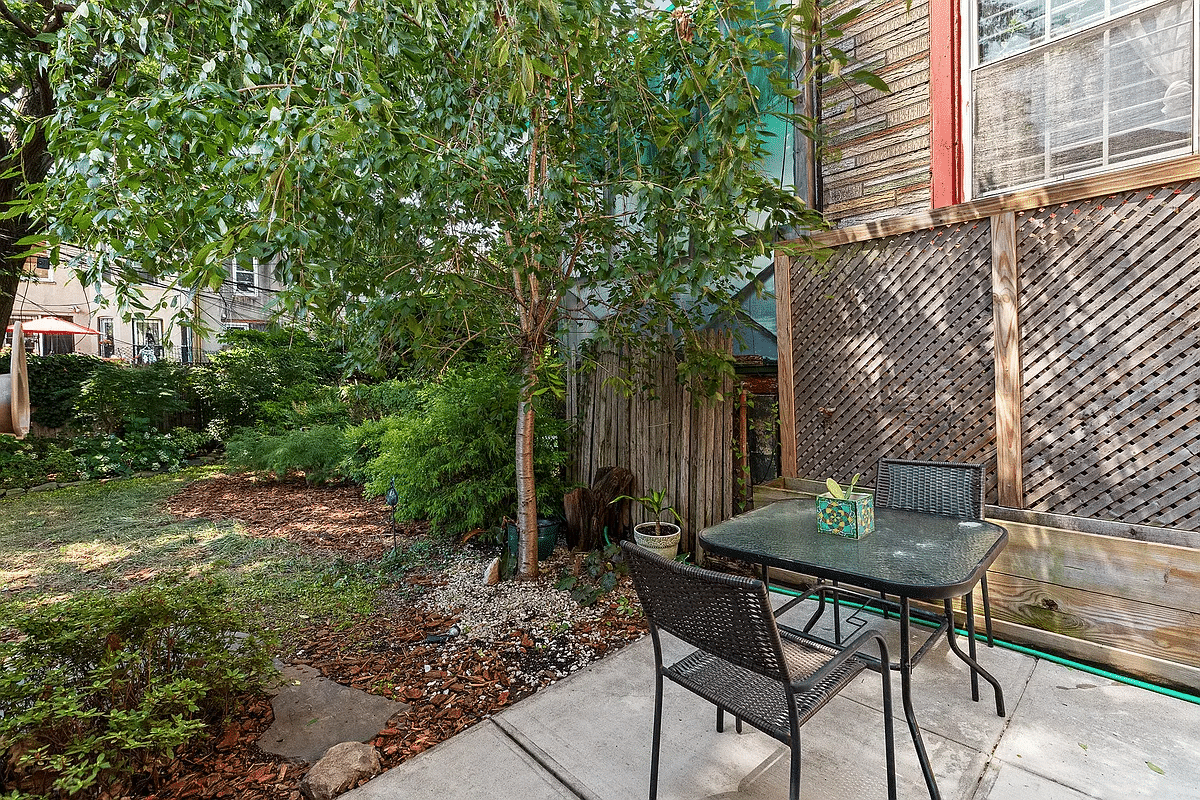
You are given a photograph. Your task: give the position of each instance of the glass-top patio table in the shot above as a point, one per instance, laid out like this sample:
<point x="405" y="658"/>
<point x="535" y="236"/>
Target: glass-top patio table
<point x="911" y="556"/>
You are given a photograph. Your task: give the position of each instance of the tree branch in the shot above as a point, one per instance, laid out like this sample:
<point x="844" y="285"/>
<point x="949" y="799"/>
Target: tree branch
<point x="17" y="22"/>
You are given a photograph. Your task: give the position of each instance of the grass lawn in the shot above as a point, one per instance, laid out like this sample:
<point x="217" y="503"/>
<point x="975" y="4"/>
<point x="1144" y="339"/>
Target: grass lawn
<point x="111" y="536"/>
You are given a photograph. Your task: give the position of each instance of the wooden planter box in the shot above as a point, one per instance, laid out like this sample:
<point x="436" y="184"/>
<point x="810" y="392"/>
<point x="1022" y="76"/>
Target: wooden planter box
<point x="1123" y="597"/>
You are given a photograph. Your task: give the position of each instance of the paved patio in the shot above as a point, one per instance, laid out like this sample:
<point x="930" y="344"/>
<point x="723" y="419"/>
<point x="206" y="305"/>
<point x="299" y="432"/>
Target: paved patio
<point x="1069" y="735"/>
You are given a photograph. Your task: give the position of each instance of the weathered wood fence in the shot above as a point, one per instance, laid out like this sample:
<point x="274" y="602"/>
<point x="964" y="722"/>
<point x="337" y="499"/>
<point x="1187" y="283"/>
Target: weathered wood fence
<point x="666" y="437"/>
<point x="1056" y="338"/>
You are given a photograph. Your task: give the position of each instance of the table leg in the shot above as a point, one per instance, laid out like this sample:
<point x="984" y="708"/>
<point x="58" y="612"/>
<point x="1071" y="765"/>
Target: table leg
<point x="971" y="662"/>
<point x="969" y="607"/>
<point x="906" y="700"/>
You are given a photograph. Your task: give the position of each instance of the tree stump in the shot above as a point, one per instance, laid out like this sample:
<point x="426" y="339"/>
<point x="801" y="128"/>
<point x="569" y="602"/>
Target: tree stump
<point x="589" y="511"/>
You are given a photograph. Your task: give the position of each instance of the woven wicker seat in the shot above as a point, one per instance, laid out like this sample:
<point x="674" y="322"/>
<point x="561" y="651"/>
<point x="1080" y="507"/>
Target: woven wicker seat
<point x="773" y="679"/>
<point x="935" y="487"/>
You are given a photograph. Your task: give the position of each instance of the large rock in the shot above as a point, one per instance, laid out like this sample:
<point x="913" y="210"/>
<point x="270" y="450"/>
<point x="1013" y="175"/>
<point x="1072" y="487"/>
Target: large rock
<point x="342" y="766"/>
<point x="313" y="713"/>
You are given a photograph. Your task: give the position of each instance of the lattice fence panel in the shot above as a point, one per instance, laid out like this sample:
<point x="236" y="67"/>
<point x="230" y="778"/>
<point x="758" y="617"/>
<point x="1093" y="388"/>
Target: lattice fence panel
<point x="1110" y="320"/>
<point x="893" y="353"/>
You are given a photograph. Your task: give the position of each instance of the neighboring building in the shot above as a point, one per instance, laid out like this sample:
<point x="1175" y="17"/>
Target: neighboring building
<point x="245" y="302"/>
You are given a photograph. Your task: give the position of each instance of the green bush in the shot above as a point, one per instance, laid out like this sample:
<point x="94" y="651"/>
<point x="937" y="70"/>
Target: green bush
<point x="364" y="443"/>
<point x="318" y="453"/>
<point x="140" y="449"/>
<point x="322" y="406"/>
<point x="258" y="367"/>
<point x="54" y="383"/>
<point x="378" y="400"/>
<point x="114" y="399"/>
<point x="453" y="460"/>
<point x="101" y="687"/>
<point x="22" y="462"/>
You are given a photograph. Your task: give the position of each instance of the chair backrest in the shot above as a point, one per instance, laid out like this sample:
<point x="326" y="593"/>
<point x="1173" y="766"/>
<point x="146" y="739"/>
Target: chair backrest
<point x="728" y="616"/>
<point x="932" y="487"/>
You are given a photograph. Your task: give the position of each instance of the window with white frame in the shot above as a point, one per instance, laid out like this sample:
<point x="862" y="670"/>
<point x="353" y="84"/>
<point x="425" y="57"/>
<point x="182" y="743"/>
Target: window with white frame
<point x="1067" y="88"/>
<point x="245" y="275"/>
<point x="108" y="345"/>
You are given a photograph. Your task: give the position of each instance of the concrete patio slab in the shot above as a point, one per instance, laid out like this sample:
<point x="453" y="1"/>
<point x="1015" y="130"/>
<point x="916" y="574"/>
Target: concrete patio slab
<point x="1107" y="740"/>
<point x="481" y="763"/>
<point x="588" y="737"/>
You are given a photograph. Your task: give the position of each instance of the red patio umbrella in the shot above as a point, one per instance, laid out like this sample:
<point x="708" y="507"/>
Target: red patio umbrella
<point x="56" y="326"/>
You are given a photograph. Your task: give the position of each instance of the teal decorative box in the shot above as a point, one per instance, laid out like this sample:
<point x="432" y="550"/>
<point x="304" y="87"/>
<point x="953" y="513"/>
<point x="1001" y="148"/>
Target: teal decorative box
<point x="853" y="517"/>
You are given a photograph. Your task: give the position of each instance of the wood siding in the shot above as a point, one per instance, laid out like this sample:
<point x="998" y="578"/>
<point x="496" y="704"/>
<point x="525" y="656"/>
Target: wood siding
<point x="880" y="160"/>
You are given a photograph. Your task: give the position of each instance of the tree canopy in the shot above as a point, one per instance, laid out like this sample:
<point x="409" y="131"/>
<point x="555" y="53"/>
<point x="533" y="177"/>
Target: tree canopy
<point x="424" y="174"/>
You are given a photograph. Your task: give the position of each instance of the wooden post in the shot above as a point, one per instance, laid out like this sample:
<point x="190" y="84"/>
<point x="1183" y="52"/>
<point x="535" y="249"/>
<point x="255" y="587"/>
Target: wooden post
<point x="787" y="376"/>
<point x="741" y="494"/>
<point x="1007" y="347"/>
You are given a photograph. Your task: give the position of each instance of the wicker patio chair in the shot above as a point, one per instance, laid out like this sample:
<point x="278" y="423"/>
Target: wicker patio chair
<point x="935" y="487"/>
<point x="772" y="678"/>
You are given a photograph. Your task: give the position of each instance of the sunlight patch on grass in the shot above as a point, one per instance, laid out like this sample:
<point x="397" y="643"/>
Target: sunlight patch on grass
<point x="115" y="535"/>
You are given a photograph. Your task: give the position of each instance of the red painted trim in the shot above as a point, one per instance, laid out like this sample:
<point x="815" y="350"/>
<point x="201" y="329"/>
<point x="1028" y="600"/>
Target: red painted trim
<point x="945" y="103"/>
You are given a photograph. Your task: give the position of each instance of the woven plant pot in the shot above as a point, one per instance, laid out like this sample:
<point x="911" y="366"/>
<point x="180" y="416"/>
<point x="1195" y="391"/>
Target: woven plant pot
<point x="665" y="545"/>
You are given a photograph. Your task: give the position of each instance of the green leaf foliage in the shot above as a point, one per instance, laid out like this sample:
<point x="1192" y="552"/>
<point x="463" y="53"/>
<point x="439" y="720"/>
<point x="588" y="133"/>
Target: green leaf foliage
<point x="453" y="457"/>
<point x="104" y="686"/>
<point x="55" y="381"/>
<point x="319" y="454"/>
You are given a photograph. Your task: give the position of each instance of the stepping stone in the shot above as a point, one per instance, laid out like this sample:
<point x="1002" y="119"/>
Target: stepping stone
<point x="313" y="713"/>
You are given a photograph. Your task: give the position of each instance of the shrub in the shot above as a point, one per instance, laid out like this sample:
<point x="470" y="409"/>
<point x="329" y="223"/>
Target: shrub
<point x="258" y="367"/>
<point x="133" y="396"/>
<point x="140" y="449"/>
<point x="389" y="398"/>
<point x="21" y="462"/>
<point x="102" y="687"/>
<point x="318" y="453"/>
<point x="54" y="384"/>
<point x="453" y="460"/>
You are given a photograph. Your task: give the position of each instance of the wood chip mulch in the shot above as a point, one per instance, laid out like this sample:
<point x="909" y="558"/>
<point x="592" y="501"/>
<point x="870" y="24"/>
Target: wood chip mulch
<point x="449" y="685"/>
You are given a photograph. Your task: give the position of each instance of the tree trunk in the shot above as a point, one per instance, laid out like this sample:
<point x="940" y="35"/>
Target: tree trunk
<point x="24" y="162"/>
<point x="527" y="558"/>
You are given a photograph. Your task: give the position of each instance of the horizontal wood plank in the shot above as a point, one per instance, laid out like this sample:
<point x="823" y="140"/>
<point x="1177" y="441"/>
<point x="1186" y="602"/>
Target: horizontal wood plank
<point x="1151" y="573"/>
<point x="1118" y="622"/>
<point x="1180" y="169"/>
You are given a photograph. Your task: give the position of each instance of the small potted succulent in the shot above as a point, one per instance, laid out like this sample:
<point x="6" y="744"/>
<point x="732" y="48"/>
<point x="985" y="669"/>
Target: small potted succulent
<point x="844" y="512"/>
<point x="657" y="536"/>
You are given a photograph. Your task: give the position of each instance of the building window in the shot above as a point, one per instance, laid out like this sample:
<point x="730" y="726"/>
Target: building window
<point x="147" y="341"/>
<point x="245" y="276"/>
<point x="108" y="346"/>
<point x="1067" y="88"/>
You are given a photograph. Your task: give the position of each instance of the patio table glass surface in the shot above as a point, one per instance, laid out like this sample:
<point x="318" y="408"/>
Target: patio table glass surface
<point x="919" y="556"/>
<point x="911" y="555"/>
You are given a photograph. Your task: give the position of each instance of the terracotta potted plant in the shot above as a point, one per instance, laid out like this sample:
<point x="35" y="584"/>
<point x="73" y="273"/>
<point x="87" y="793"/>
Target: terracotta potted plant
<point x="657" y="536"/>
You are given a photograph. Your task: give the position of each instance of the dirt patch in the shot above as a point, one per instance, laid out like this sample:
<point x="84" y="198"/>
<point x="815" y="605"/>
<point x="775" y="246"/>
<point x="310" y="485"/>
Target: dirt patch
<point x="531" y="639"/>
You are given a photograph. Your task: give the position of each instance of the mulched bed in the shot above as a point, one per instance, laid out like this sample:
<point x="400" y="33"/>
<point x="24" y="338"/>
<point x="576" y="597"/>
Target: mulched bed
<point x="449" y="685"/>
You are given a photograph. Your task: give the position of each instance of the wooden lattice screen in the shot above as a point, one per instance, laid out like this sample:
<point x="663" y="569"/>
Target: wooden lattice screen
<point x="892" y="353"/>
<point x="1110" y="320"/>
<point x="667" y="440"/>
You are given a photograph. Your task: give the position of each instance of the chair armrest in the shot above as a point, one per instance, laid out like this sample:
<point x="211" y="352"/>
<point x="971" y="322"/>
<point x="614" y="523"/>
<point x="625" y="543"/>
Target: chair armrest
<point x="850" y="649"/>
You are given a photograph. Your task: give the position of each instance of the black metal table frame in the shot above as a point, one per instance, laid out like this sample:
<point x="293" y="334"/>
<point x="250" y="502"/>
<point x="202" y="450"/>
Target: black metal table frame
<point x="903" y="609"/>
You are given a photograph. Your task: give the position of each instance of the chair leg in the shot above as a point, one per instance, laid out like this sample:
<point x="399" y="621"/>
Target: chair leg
<point x="794" y="782"/>
<point x="737" y="724"/>
<point x="658" y="701"/>
<point x="987" y="611"/>
<point x="720" y="720"/>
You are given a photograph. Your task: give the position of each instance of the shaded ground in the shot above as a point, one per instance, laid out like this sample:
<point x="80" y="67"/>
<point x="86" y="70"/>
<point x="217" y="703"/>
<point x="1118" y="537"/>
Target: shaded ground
<point x="450" y="685"/>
